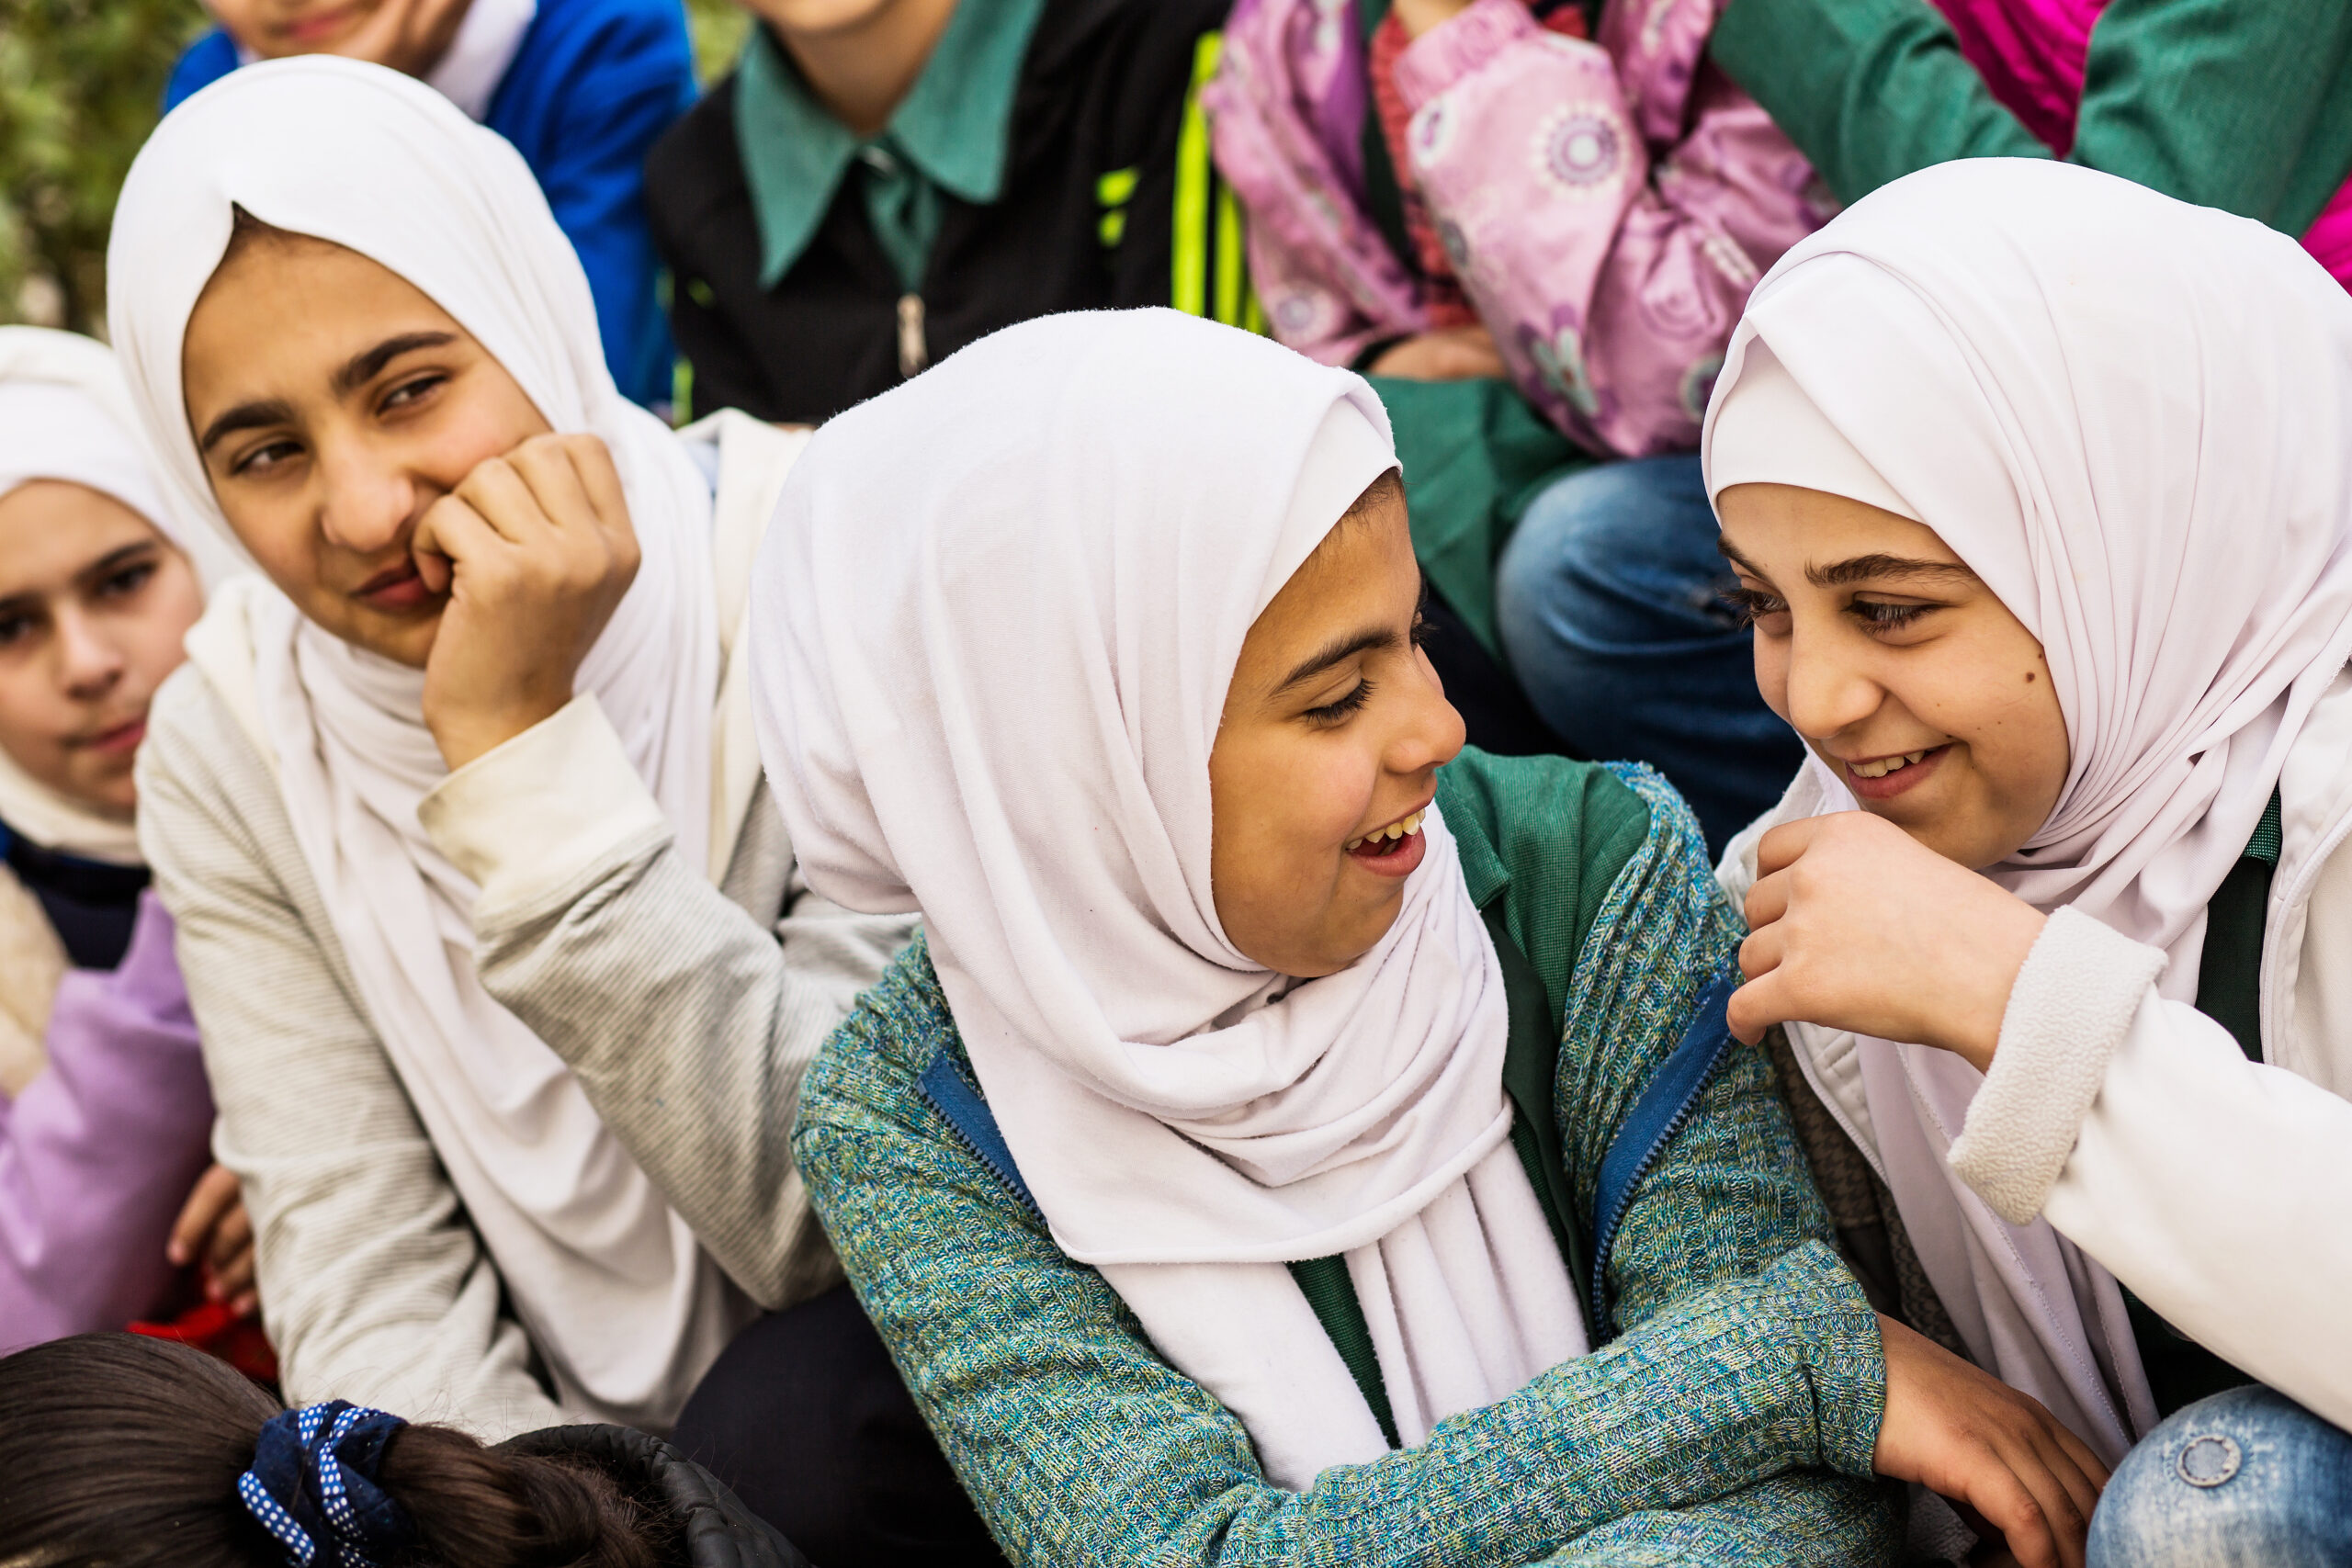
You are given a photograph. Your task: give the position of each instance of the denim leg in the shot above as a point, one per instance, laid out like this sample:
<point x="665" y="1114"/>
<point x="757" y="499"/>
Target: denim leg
<point x="2245" y="1479"/>
<point x="1608" y="600"/>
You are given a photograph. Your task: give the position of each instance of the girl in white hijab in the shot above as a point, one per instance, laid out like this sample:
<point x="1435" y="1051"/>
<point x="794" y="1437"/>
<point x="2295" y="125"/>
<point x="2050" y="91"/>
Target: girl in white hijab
<point x="467" y="779"/>
<point x="1217" y="1170"/>
<point x="2039" y="488"/>
<point x="103" y="1117"/>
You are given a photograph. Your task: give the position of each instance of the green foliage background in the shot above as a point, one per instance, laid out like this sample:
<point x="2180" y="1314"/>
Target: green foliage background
<point x="80" y="84"/>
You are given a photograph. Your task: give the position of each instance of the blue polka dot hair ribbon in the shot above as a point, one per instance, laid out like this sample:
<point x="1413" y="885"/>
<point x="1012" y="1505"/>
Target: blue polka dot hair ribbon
<point x="312" y="1486"/>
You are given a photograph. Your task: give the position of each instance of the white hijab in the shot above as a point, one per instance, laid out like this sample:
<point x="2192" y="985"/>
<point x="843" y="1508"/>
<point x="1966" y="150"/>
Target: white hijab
<point x="64" y="415"/>
<point x="988" y="684"/>
<point x="621" y="1303"/>
<point x="2127" y="415"/>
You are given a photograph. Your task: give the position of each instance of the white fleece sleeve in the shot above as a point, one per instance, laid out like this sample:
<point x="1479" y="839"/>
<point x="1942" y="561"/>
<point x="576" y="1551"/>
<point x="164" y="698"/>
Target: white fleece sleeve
<point x="2218" y="1190"/>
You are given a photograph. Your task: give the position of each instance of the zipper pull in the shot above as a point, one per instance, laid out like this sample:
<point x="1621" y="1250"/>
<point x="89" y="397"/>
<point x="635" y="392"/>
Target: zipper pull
<point x="913" y="352"/>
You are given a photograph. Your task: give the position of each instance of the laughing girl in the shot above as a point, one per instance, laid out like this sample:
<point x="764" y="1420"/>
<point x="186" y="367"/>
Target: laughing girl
<point x="2037" y="488"/>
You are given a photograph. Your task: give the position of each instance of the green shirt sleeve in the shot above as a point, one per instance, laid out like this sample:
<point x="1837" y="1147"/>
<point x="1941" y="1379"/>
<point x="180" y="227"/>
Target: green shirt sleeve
<point x="2243" y="107"/>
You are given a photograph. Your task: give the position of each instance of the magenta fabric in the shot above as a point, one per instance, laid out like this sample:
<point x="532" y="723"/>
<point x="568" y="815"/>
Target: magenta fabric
<point x="1607" y="205"/>
<point x="98" y="1153"/>
<point x="2032" y="55"/>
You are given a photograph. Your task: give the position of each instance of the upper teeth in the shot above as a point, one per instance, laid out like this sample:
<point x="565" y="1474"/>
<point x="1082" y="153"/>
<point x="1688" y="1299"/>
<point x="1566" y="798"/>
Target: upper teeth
<point x="1394" y="830"/>
<point x="1885" y="766"/>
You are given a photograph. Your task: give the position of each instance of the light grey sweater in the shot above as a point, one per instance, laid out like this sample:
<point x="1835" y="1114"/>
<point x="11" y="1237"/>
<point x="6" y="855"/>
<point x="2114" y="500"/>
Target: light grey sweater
<point x="677" y="1004"/>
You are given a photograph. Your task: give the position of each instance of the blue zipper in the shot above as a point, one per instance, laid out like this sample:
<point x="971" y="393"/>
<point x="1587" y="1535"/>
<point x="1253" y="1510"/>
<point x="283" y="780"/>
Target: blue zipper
<point x="1665" y="1108"/>
<point x="957" y="1099"/>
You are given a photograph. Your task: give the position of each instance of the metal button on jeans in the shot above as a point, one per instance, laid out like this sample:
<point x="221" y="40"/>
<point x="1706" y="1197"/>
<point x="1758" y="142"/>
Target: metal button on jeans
<point x="2209" y="1460"/>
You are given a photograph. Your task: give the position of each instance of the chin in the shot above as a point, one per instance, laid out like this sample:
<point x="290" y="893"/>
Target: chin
<point x="817" y="18"/>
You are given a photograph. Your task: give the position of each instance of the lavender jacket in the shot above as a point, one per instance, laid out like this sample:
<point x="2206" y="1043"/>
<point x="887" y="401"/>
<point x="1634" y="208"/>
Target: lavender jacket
<point x="100" y="1151"/>
<point x="1607" y="205"/>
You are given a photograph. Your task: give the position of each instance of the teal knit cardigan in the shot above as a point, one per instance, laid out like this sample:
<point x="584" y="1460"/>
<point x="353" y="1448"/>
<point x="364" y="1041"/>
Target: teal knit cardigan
<point x="1730" y="1423"/>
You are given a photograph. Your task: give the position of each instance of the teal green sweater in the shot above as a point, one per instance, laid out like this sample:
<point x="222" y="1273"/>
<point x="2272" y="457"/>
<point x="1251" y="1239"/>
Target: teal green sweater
<point x="2244" y="105"/>
<point x="1731" y="1423"/>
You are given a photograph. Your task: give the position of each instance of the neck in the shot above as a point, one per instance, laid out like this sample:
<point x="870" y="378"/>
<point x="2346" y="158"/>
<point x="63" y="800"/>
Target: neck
<point x="862" y="72"/>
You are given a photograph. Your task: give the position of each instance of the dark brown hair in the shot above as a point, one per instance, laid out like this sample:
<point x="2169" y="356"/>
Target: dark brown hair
<point x="117" y="1451"/>
<point x="1389" y="486"/>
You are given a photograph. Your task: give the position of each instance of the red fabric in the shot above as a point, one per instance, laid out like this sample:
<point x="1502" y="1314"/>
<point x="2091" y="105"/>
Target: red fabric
<point x="1443" y="295"/>
<point x="212" y="1328"/>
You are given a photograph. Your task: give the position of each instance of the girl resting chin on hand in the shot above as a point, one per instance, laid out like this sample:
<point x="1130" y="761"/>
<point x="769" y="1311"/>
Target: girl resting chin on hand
<point x="2037" y="488"/>
<point x="1225" y="1168"/>
<point x="461" y="837"/>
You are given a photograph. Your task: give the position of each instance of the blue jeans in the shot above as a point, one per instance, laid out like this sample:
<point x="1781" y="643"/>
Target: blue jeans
<point x="1609" y="600"/>
<point x="2245" y="1479"/>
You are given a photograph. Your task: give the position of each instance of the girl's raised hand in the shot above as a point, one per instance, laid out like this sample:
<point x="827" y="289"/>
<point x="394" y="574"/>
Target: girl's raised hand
<point x="535" y="550"/>
<point x="1971" y="1439"/>
<point x="1856" y="925"/>
<point x="213" y="1230"/>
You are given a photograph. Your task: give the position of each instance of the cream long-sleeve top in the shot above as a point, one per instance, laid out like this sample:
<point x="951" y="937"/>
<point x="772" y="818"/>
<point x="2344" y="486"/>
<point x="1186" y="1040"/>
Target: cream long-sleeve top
<point x="687" y="1011"/>
<point x="2217" y="1188"/>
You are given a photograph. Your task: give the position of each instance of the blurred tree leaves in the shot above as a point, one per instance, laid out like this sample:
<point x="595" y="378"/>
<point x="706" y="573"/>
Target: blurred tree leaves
<point x="719" y="28"/>
<point x="80" y="82"/>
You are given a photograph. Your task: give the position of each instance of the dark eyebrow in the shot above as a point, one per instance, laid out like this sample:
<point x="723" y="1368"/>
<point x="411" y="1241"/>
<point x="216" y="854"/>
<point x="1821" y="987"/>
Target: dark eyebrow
<point x="1838" y="574"/>
<point x="115" y="561"/>
<point x="1338" y="651"/>
<point x="257" y="416"/>
<point x="362" y="368"/>
<point x="1861" y="569"/>
<point x="356" y="371"/>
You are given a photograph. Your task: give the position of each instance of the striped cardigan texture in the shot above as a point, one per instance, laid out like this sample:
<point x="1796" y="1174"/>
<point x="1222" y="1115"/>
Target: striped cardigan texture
<point x="1731" y="1422"/>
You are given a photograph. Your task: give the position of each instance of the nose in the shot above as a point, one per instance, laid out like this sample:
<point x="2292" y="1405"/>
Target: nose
<point x="366" y="502"/>
<point x="88" y="662"/>
<point x="1829" y="690"/>
<point x="1432" y="733"/>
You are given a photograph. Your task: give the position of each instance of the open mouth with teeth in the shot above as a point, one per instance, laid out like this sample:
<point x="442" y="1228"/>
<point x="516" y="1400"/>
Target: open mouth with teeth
<point x="1884" y="778"/>
<point x="1885" y="766"/>
<point x="1382" y="843"/>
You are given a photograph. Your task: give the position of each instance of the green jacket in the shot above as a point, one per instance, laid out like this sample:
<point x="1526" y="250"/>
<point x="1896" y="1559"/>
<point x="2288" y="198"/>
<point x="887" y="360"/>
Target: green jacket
<point x="2244" y="105"/>
<point x="1732" y="1422"/>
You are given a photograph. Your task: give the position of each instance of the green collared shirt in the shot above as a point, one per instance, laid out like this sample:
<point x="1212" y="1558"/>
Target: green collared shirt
<point x="949" y="134"/>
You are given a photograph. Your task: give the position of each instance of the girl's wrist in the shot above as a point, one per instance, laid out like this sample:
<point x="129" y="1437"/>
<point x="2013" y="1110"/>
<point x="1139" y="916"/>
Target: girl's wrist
<point x="1988" y="956"/>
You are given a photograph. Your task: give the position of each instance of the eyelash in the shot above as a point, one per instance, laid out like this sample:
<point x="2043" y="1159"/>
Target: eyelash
<point x="1339" y="712"/>
<point x="128" y="580"/>
<point x="1753" y="605"/>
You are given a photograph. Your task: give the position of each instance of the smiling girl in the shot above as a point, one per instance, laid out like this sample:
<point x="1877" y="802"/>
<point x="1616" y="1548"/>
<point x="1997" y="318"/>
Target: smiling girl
<point x="104" y="1114"/>
<point x="461" y="782"/>
<point x="1228" y="1171"/>
<point x="2036" y="483"/>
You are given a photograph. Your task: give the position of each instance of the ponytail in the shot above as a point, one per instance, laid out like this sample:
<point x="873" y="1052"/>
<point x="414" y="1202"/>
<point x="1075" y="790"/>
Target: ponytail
<point x="484" y="1508"/>
<point x="117" y="1451"/>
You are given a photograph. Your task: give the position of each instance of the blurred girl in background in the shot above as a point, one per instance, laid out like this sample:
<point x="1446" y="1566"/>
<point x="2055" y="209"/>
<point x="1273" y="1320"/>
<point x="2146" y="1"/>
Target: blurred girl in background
<point x="105" y="1118"/>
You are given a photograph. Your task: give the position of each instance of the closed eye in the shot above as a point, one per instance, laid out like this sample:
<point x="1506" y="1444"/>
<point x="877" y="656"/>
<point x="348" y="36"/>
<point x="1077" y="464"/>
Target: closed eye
<point x="1338" y="712"/>
<point x="1878" y="617"/>
<point x="1753" y="605"/>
